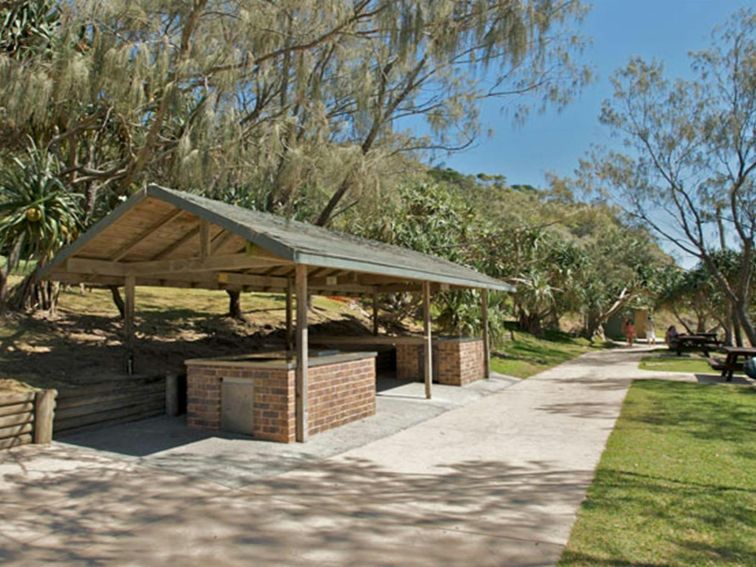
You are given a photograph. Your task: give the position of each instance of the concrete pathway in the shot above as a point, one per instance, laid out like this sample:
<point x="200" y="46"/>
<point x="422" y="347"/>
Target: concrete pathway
<point x="497" y="481"/>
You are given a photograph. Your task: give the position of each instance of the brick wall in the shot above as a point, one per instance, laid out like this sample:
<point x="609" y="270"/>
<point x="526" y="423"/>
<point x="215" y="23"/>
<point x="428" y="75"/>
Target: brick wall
<point x="460" y="362"/>
<point x="408" y="365"/>
<point x="203" y="396"/>
<point x="455" y="362"/>
<point x="340" y="393"/>
<point x="273" y="415"/>
<point x="337" y="394"/>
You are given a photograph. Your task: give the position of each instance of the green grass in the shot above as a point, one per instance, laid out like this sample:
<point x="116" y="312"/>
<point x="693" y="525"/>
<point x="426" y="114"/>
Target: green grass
<point x="670" y="362"/>
<point x="527" y="355"/>
<point x="676" y="484"/>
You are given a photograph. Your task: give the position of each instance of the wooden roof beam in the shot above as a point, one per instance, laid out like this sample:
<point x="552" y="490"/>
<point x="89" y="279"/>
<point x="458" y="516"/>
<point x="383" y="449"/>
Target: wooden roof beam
<point x="211" y="263"/>
<point x="280" y="283"/>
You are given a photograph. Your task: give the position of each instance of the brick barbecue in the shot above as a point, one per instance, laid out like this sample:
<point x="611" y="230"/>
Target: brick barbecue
<point x="456" y="361"/>
<point x="341" y="389"/>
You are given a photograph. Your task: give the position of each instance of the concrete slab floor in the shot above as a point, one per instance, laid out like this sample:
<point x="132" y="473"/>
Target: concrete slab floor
<point x="494" y="481"/>
<point x="236" y="460"/>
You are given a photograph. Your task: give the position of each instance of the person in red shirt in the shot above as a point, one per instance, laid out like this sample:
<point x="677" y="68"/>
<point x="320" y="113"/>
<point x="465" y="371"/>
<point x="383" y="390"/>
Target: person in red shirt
<point x="629" y="332"/>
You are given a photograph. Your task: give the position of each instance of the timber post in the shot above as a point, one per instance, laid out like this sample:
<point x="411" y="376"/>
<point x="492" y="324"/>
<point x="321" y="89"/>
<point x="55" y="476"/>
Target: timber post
<point x="302" y="354"/>
<point x="128" y="321"/>
<point x="375" y="314"/>
<point x="486" y="333"/>
<point x="171" y="394"/>
<point x="44" y="411"/>
<point x="289" y="315"/>
<point x="427" y="341"/>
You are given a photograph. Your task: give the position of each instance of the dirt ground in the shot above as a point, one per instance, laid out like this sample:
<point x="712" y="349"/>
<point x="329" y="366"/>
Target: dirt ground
<point x="81" y="342"/>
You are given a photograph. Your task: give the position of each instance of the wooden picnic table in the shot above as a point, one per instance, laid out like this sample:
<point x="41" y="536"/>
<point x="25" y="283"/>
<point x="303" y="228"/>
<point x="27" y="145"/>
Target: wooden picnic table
<point x="706" y="342"/>
<point x="730" y="364"/>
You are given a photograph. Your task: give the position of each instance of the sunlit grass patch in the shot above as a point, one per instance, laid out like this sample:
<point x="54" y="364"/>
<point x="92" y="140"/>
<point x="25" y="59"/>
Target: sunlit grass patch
<point x="675" y="485"/>
<point x="527" y="355"/>
<point x="669" y="362"/>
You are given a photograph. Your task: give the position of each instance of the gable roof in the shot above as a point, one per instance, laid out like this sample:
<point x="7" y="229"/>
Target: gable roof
<point x="294" y="241"/>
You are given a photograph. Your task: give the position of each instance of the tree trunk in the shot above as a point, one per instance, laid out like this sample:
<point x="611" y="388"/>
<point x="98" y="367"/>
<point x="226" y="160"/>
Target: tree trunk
<point x="90" y="202"/>
<point x="4" y="288"/>
<point x="328" y="210"/>
<point x="737" y="335"/>
<point x="682" y="321"/>
<point x="118" y="300"/>
<point x="234" y="305"/>
<point x="743" y="322"/>
<point x="33" y="295"/>
<point x="591" y="325"/>
<point x="739" y="299"/>
<point x="11" y="263"/>
<point x="729" y="335"/>
<point x="594" y="320"/>
<point x="530" y="322"/>
<point x="700" y="323"/>
<point x="552" y="320"/>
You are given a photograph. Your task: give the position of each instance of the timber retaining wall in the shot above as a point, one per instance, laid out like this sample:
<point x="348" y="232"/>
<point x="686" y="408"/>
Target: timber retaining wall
<point x="26" y="417"/>
<point x="109" y="402"/>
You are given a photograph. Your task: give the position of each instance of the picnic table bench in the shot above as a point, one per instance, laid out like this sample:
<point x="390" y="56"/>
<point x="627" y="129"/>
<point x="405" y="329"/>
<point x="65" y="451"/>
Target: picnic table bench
<point x="705" y="342"/>
<point x="730" y="363"/>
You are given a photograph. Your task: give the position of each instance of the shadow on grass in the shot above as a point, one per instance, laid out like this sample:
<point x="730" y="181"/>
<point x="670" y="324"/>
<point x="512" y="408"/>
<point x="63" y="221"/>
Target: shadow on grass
<point x="674" y="486"/>
<point x="538" y="353"/>
<point x="684" y="515"/>
<point x="712" y="417"/>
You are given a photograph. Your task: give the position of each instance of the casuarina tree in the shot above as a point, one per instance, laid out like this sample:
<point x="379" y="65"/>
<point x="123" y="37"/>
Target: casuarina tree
<point x="687" y="171"/>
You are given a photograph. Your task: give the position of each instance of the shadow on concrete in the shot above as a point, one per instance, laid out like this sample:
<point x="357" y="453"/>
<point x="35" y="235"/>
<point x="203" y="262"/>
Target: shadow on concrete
<point x="581" y="409"/>
<point x="607" y="384"/>
<point x="145" y="437"/>
<point x="85" y="509"/>
<point x="386" y="382"/>
<point x="336" y="513"/>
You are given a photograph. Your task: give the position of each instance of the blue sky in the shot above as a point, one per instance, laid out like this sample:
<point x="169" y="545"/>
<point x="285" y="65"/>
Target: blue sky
<point x="663" y="29"/>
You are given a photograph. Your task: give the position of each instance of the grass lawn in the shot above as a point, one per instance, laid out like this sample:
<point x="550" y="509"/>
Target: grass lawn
<point x="676" y="482"/>
<point x="527" y="355"/>
<point x="670" y="362"/>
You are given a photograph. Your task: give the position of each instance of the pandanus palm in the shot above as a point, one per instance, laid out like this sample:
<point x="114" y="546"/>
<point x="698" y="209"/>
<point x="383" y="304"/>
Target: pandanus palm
<point x="38" y="214"/>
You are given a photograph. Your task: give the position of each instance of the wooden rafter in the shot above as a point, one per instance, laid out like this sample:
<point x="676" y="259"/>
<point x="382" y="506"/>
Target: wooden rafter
<point x="160" y="223"/>
<point x="177" y="244"/>
<point x="204" y="239"/>
<point x="220" y="240"/>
